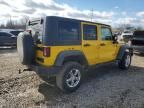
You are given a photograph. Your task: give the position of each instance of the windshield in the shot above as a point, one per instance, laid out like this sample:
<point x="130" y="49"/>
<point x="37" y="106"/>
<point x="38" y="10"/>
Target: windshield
<point x="127" y="32"/>
<point x="15" y="32"/>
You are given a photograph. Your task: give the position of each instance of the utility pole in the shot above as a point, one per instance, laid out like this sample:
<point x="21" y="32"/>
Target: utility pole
<point x="10" y="22"/>
<point x="92" y="14"/>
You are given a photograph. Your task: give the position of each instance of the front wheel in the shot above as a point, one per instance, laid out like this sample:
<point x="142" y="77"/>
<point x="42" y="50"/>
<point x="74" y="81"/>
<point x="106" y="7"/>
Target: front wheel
<point x="70" y="77"/>
<point x="125" y="62"/>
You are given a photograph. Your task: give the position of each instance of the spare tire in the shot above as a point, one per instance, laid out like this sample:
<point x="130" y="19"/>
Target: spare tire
<point x="25" y="48"/>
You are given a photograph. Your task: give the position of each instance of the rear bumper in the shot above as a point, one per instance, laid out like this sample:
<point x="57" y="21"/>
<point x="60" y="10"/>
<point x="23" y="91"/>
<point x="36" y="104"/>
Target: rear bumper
<point x="138" y="48"/>
<point x="7" y="44"/>
<point x="45" y="71"/>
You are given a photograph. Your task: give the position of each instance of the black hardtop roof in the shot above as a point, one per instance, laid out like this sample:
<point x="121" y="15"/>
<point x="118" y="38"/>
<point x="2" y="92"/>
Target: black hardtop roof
<point x="64" y="18"/>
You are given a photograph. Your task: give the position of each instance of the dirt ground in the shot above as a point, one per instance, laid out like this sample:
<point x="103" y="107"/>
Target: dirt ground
<point x="104" y="87"/>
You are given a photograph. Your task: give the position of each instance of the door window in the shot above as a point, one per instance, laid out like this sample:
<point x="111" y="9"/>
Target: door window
<point x="106" y="33"/>
<point x="90" y="32"/>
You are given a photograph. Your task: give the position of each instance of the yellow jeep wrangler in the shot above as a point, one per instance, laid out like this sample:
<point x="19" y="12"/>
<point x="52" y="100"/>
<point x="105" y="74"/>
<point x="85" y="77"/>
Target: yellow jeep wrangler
<point x="65" y="48"/>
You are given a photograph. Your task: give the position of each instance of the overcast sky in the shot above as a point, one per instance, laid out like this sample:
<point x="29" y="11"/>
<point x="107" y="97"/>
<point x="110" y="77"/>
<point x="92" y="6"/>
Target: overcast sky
<point x="112" y="12"/>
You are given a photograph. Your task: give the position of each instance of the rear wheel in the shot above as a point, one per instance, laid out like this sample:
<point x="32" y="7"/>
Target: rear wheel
<point x="70" y="77"/>
<point x="125" y="62"/>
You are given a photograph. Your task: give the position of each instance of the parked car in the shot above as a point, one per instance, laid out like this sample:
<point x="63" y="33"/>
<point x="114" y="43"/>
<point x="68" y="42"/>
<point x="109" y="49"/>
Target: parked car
<point x="8" y="37"/>
<point x="15" y="32"/>
<point x="68" y="47"/>
<point x="138" y="41"/>
<point x="126" y="35"/>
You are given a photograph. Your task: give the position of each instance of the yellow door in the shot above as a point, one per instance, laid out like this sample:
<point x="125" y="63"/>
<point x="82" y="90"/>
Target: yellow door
<point x="107" y="49"/>
<point x="90" y="42"/>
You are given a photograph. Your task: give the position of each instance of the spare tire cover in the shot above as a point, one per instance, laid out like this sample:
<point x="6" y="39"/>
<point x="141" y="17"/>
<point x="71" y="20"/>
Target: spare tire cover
<point x="25" y="48"/>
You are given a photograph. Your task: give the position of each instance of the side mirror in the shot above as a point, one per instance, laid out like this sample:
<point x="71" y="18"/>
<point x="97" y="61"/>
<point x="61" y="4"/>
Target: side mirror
<point x="115" y="38"/>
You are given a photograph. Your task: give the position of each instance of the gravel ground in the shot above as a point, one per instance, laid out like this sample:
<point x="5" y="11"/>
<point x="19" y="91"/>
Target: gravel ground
<point x="104" y="87"/>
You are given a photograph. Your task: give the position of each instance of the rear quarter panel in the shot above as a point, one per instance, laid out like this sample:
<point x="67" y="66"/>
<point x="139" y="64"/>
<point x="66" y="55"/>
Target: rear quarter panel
<point x="55" y="50"/>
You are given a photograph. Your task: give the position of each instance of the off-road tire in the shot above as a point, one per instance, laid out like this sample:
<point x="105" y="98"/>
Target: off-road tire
<point x="61" y="77"/>
<point x="25" y="48"/>
<point x="122" y="62"/>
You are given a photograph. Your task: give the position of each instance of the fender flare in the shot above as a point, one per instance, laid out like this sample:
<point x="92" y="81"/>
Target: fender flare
<point x="123" y="49"/>
<point x="71" y="53"/>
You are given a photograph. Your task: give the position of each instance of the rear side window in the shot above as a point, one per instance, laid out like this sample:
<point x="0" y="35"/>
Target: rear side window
<point x="106" y="33"/>
<point x="68" y="31"/>
<point x="90" y="32"/>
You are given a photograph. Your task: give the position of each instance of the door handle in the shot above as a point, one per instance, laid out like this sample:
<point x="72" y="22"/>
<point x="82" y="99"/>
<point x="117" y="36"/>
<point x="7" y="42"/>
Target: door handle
<point x="102" y="44"/>
<point x="87" y="45"/>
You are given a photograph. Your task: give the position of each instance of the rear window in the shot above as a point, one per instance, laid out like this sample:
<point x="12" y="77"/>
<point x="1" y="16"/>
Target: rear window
<point x="139" y="34"/>
<point x="36" y="26"/>
<point x="68" y="31"/>
<point x="127" y="32"/>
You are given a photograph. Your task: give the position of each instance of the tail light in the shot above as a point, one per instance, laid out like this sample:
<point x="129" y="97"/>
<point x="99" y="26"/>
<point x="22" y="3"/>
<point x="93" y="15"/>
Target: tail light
<point x="46" y="52"/>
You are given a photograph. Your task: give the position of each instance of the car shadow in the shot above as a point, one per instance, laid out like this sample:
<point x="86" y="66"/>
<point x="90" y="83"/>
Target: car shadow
<point x="52" y="93"/>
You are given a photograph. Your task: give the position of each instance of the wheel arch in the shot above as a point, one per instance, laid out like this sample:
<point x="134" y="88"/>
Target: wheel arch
<point x="74" y="55"/>
<point x="123" y="49"/>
